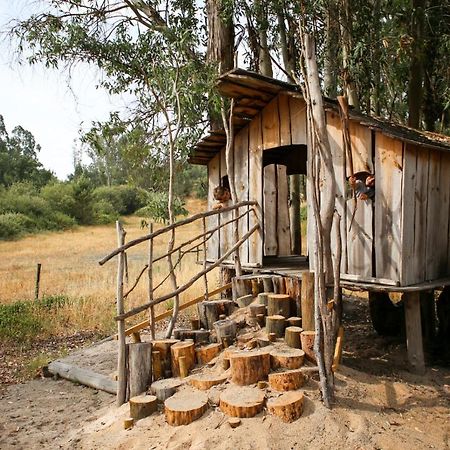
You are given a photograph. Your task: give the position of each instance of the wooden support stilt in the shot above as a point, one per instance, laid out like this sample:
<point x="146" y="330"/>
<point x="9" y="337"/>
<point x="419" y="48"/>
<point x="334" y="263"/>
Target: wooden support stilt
<point x="307" y="301"/>
<point x="414" y="340"/>
<point x="150" y="281"/>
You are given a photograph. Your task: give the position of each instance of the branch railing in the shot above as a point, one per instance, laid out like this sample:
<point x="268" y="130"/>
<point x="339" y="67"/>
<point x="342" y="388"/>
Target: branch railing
<point x="196" y="244"/>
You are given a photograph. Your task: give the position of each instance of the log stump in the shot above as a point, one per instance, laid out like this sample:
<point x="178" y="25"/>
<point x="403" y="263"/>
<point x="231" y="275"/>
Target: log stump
<point x="307" y="301"/>
<point x="142" y="406"/>
<point x="206" y="381"/>
<point x="195" y="323"/>
<point x="287" y="358"/>
<point x="210" y="311"/>
<point x="241" y="401"/>
<point x="262" y="341"/>
<point x="288" y="407"/>
<point x="140" y="367"/>
<point x="245" y="300"/>
<point x="275" y="324"/>
<point x="289" y="380"/>
<point x="156" y="365"/>
<point x="182" y="349"/>
<point x="256" y="310"/>
<point x="163" y="389"/>
<point x="185" y="407"/>
<point x="292" y="337"/>
<point x="163" y="347"/>
<point x="279" y="304"/>
<point x="279" y="286"/>
<point x="307" y="338"/>
<point x="249" y="367"/>
<point x="263" y="298"/>
<point x="225" y="329"/>
<point x="208" y="352"/>
<point x="294" y="322"/>
<point x="261" y="320"/>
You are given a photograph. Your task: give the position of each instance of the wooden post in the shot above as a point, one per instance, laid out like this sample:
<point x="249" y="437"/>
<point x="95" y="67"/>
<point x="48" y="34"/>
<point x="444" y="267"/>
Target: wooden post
<point x="38" y="281"/>
<point x="414" y="331"/>
<point x="307" y="300"/>
<point x="140" y="367"/>
<point x="121" y="354"/>
<point x="150" y="281"/>
<point x="205" y="278"/>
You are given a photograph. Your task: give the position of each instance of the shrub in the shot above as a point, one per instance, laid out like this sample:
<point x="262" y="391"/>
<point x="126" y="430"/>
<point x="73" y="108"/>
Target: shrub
<point x="13" y="225"/>
<point x="60" y="197"/>
<point x="104" y="212"/>
<point x="157" y="207"/>
<point x="125" y="199"/>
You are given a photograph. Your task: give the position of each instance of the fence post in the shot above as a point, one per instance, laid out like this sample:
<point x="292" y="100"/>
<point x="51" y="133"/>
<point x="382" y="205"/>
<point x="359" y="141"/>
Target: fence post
<point x="150" y="282"/>
<point x="38" y="281"/>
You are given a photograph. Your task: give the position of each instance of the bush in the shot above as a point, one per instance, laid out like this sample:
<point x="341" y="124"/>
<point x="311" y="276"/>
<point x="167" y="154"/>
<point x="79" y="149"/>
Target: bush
<point x="14" y="225"/>
<point x="104" y="212"/>
<point x="125" y="199"/>
<point x="60" y="197"/>
<point x="156" y="207"/>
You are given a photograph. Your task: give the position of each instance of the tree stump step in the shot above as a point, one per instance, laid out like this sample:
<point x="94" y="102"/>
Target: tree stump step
<point x="206" y="381"/>
<point x="242" y="401"/>
<point x="185" y="407"/>
<point x="207" y="352"/>
<point x="287" y="358"/>
<point x="288" y="407"/>
<point x="163" y="389"/>
<point x="288" y="380"/>
<point x="142" y="406"/>
<point x="249" y="367"/>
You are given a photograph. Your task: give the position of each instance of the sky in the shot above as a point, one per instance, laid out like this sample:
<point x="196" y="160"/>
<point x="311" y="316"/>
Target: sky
<point x="45" y="101"/>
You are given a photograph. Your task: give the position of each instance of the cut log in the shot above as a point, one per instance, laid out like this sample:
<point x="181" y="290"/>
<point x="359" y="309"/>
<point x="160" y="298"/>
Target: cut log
<point x="234" y="422"/>
<point x="338" y="349"/>
<point x="307" y="338"/>
<point x="163" y="389"/>
<point x="257" y="287"/>
<point x="245" y="300"/>
<point x="185" y="407"/>
<point x="279" y="304"/>
<point x="210" y="311"/>
<point x="262" y="384"/>
<point x="225" y="328"/>
<point x="287" y="358"/>
<point x="206" y="381"/>
<point x="293" y="289"/>
<point x="195" y="324"/>
<point x="198" y="336"/>
<point x="142" y="406"/>
<point x="288" y="407"/>
<point x="289" y="380"/>
<point x="272" y="337"/>
<point x="186" y="349"/>
<point x="241" y="401"/>
<point x="184" y="371"/>
<point x="294" y="321"/>
<point x="163" y="347"/>
<point x="276" y="324"/>
<point x="156" y="365"/>
<point x="262" y="341"/>
<point x="128" y="423"/>
<point x="268" y="284"/>
<point x="256" y="310"/>
<point x="261" y="320"/>
<point x="241" y="286"/>
<point x="85" y="377"/>
<point x="307" y="301"/>
<point x="292" y="337"/>
<point x="140" y="367"/>
<point x="249" y="367"/>
<point x="208" y="352"/>
<point x="202" y="336"/>
<point x="136" y="337"/>
<point x="263" y="298"/>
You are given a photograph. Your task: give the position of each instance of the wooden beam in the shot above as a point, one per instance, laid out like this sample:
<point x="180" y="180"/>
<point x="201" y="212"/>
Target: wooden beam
<point x="414" y="332"/>
<point x="165" y="314"/>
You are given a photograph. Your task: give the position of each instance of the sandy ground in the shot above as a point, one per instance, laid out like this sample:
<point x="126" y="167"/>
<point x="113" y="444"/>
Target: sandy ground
<point x="379" y="405"/>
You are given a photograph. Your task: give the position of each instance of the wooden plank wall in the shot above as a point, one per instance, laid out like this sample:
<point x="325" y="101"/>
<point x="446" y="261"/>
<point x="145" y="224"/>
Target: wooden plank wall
<point x="226" y="233"/>
<point x="388" y="207"/>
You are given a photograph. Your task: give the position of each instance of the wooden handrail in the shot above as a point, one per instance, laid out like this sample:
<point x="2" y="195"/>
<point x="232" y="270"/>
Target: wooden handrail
<point x="181" y="289"/>
<point x="172" y="226"/>
<point x="165" y="314"/>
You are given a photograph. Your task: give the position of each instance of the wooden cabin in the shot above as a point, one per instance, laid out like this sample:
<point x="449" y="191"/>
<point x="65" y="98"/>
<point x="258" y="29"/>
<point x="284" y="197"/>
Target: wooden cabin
<point x="400" y="238"/>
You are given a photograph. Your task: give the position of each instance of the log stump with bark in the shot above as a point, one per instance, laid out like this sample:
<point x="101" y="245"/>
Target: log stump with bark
<point x="142" y="406"/>
<point x="288" y="380"/>
<point x="208" y="352"/>
<point x="163" y="389"/>
<point x="210" y="311"/>
<point x="183" y="349"/>
<point x="307" y="338"/>
<point x="242" y="401"/>
<point x="256" y="310"/>
<point x="276" y="324"/>
<point x="288" y="407"/>
<point x="225" y="329"/>
<point x="287" y="358"/>
<point x="292" y="337"/>
<point x="204" y="382"/>
<point x="263" y="298"/>
<point x="140" y="367"/>
<point x="249" y="367"/>
<point x="185" y="407"/>
<point x="279" y="304"/>
<point x="163" y="347"/>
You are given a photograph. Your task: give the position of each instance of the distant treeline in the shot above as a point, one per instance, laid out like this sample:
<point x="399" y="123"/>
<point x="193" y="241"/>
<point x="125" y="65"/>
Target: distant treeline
<point x="32" y="199"/>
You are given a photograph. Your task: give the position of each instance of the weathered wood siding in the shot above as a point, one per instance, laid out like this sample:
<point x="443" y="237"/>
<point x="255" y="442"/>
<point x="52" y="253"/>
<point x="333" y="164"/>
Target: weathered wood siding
<point x="213" y="245"/>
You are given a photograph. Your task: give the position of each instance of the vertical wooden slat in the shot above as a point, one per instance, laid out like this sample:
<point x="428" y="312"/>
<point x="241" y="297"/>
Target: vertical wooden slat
<point x="361" y="139"/>
<point x="283" y="233"/>
<point x="285" y="120"/>
<point x="271" y="125"/>
<point x="150" y="281"/>
<point x="213" y="247"/>
<point x="297" y="109"/>
<point x="388" y="207"/>
<point x="121" y="353"/>
<point x="270" y="210"/>
<point x="339" y="160"/>
<point x="256" y="189"/>
<point x="408" y="214"/>
<point x="226" y="232"/>
<point x="241" y="163"/>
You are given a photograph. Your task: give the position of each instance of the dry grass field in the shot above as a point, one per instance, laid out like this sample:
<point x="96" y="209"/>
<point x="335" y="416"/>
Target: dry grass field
<point x="70" y="268"/>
